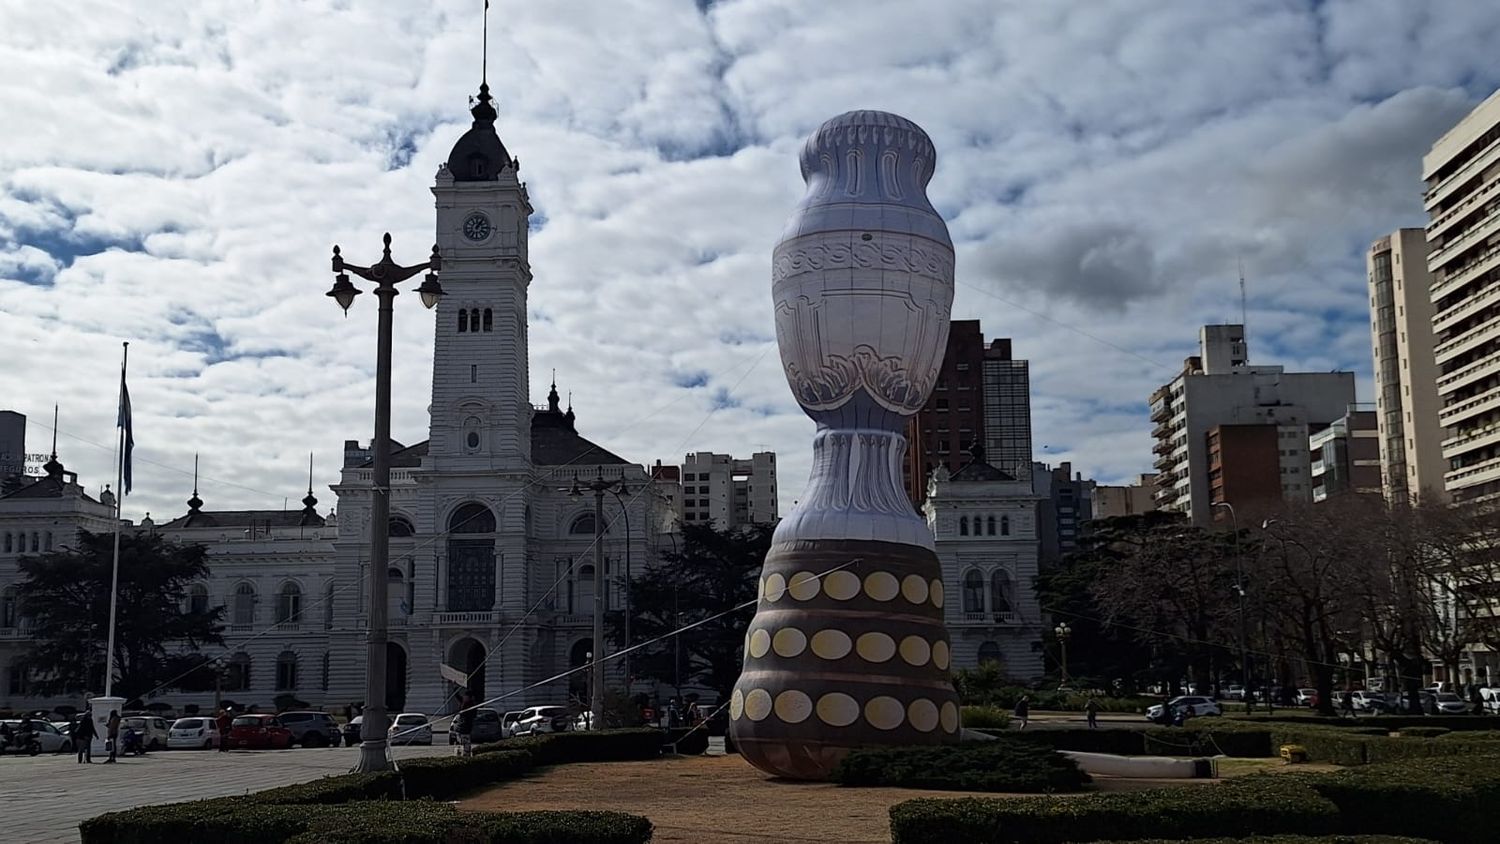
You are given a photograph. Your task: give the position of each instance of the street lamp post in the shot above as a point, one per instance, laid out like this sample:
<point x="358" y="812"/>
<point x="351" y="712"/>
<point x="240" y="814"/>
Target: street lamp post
<point x="1063" y="631"/>
<point x="1239" y="588"/>
<point x="598" y="486"/>
<point x="386" y="274"/>
<point x="625" y="511"/>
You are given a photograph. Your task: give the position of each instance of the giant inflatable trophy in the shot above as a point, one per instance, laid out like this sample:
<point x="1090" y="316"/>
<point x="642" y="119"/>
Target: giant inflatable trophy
<point x="847" y="647"/>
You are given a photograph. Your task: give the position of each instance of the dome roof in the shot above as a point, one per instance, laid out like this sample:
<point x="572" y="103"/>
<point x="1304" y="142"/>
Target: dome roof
<point x="479" y="156"/>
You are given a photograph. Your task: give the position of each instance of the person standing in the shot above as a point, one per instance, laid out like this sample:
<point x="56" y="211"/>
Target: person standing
<point x="463" y="726"/>
<point x="1346" y="704"/>
<point x="113" y="735"/>
<point x="223" y="722"/>
<point x="83" y="737"/>
<point x="1023" y="710"/>
<point x="1091" y="709"/>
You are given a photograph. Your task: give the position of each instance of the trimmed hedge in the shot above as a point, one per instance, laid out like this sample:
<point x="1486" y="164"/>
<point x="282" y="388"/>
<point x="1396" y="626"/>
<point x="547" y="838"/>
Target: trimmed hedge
<point x="984" y="717"/>
<point x="980" y="766"/>
<point x="1391" y="723"/>
<point x="1424" y="732"/>
<point x="243" y="821"/>
<point x="1456" y="799"/>
<point x="1211" y="739"/>
<point x="1251" y="805"/>
<point x="368" y="808"/>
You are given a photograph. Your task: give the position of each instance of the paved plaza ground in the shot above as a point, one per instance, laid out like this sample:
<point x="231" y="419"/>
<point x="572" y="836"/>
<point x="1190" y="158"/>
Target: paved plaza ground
<point x="43" y="798"/>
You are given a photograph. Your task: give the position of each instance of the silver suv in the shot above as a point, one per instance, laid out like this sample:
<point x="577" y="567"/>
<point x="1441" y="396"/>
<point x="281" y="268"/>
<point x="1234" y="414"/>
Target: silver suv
<point x="311" y="729"/>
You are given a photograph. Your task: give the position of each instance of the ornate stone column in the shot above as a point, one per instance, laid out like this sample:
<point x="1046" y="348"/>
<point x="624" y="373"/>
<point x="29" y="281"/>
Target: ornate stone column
<point x="848" y="647"/>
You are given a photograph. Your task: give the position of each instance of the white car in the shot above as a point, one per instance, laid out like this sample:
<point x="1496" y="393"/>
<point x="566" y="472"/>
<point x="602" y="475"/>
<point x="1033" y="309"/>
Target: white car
<point x="193" y="734"/>
<point x="155" y="732"/>
<point x="48" y="738"/>
<point x="1449" y="703"/>
<point x="1234" y="693"/>
<point x="508" y="723"/>
<point x="1199" y="705"/>
<point x="410" y="728"/>
<point x="1305" y="697"/>
<point x="544" y="719"/>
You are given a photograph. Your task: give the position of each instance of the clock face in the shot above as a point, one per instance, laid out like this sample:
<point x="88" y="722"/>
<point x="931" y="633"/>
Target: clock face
<point x="477" y="227"/>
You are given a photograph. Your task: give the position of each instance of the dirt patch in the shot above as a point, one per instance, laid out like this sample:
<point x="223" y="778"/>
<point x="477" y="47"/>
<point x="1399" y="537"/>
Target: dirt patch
<point x="723" y="800"/>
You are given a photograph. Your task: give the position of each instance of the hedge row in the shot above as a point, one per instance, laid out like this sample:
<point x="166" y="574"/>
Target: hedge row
<point x="363" y="808"/>
<point x="1001" y="766"/>
<point x="241" y="820"/>
<point x="1391" y="723"/>
<point x="1455" y="800"/>
<point x="1212" y="739"/>
<point x="1250" y="805"/>
<point x="1352" y="746"/>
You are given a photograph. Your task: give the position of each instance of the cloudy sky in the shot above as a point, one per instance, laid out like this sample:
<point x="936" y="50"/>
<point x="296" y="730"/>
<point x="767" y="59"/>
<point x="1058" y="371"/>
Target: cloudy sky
<point x="174" y="174"/>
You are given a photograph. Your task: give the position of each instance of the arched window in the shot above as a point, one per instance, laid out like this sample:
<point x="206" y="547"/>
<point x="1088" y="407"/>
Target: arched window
<point x="10" y="607"/>
<point x="472" y="518"/>
<point x="463" y="320"/>
<point x="244" y="604"/>
<point x="991" y="525"/>
<point x="47" y="541"/>
<point x="473" y="319"/>
<point x="328" y="606"/>
<point x="197" y="598"/>
<point x="472" y="438"/>
<point x="36" y="542"/>
<point x="489" y="320"/>
<point x="286" y="671"/>
<point x="401" y="526"/>
<point x="973" y="591"/>
<point x="583" y="525"/>
<point x="1005" y="525"/>
<point x="289" y="604"/>
<point x="584" y="590"/>
<point x="963" y="525"/>
<point x="237" y="673"/>
<point x="1000" y="596"/>
<point x="989" y="652"/>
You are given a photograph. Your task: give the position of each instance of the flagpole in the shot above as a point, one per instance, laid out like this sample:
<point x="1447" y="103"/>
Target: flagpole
<point x="114" y="580"/>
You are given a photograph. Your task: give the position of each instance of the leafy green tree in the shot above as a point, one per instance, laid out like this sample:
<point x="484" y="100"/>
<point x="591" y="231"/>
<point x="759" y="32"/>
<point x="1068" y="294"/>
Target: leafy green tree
<point x="711" y="572"/>
<point x="65" y="595"/>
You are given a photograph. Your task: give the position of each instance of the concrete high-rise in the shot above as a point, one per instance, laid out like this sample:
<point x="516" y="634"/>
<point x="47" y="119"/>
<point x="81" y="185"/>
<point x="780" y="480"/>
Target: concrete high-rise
<point x="1346" y="456"/>
<point x="12" y="448"/>
<point x="1206" y="451"/>
<point x="982" y="399"/>
<point x="1462" y="173"/>
<point x="1406" y="393"/>
<point x="723" y="491"/>
<point x="1132" y="500"/>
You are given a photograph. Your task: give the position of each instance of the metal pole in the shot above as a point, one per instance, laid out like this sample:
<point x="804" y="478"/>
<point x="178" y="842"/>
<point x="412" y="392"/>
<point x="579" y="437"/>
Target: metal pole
<point x="114" y="577"/>
<point x="372" y="750"/>
<point x="1063" y="640"/>
<point x="1239" y="587"/>
<point x="625" y="511"/>
<point x="596" y="669"/>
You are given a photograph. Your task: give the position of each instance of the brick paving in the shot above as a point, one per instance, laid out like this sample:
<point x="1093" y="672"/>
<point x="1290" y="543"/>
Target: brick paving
<point x="43" y="798"/>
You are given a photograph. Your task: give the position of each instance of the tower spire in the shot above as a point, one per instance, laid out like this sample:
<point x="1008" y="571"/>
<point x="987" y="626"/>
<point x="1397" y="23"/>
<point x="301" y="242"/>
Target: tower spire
<point x="484" y="67"/>
<point x="195" y="503"/>
<point x="53" y="466"/>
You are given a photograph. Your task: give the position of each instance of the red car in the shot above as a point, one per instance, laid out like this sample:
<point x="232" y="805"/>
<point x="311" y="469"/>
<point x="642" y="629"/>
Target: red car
<point x="260" y="732"/>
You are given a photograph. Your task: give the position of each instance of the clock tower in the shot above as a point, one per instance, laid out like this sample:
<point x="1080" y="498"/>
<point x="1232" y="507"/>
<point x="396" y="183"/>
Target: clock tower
<point x="480" y="412"/>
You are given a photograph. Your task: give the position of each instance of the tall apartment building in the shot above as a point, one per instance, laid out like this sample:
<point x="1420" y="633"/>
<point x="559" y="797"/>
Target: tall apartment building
<point x="1406" y="393"/>
<point x="1206" y="450"/>
<point x="1346" y="455"/>
<point x="12" y="449"/>
<point x="726" y="492"/>
<point x="1462" y="173"/>
<point x="982" y="398"/>
<point x="1065" y="501"/>
<point x="1129" y="500"/>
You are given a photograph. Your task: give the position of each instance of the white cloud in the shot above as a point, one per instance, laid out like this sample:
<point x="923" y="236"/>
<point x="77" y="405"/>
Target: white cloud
<point x="176" y="173"/>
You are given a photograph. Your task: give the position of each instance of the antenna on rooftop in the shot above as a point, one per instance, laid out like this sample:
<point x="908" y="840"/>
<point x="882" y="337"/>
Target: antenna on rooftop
<point x="1244" y="311"/>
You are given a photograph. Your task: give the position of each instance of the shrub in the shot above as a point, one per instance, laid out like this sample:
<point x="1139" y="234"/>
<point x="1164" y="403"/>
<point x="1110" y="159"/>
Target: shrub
<point x="989" y="717"/>
<point x="439" y="777"/>
<point x="331" y="790"/>
<point x="1213" y="738"/>
<point x="245" y="821"/>
<point x="978" y="766"/>
<point x="1251" y="805"/>
<point x="1456" y="799"/>
<point x="1424" y="732"/>
<point x="1472" y="735"/>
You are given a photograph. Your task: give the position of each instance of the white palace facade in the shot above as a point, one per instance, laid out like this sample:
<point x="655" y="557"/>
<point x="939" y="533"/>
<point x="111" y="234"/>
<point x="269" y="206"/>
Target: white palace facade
<point x="490" y="558"/>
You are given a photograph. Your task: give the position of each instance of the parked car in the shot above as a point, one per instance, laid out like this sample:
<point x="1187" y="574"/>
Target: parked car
<point x="410" y="728"/>
<point x="1371" y="702"/>
<point x="1307" y="697"/>
<point x="311" y="729"/>
<point x="262" y="732"/>
<point x="354" y="731"/>
<point x="49" y="738"/>
<point x="486" y="727"/>
<point x="154" y="731"/>
<point x="193" y="734"/>
<point x="544" y="719"/>
<point x="1234" y="693"/>
<point x="1448" y="703"/>
<point x="508" y="723"/>
<point x="1199" y="705"/>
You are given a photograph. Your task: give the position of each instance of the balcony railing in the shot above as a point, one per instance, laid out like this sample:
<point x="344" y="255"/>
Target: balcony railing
<point x="989" y="617"/>
<point x="1441" y="222"/>
<point x="1454" y="279"/>
<point x="573" y="618"/>
<point x="1484" y="227"/>
<point x="1449" y="416"/>
<point x="289" y="626"/>
<point x="1470" y="167"/>
<point x="15" y="632"/>
<point x="1481" y="333"/>
<point x="480" y="617"/>
<point x="241" y="628"/>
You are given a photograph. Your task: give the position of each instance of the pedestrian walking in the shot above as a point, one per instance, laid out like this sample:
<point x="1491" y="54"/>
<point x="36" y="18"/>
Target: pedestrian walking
<point x="113" y="735"/>
<point x="463" y="726"/>
<point x="83" y="733"/>
<point x="1249" y="701"/>
<point x="1091" y="709"/>
<point x="1023" y="711"/>
<point x="223" y="722"/>
<point x="1346" y="705"/>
